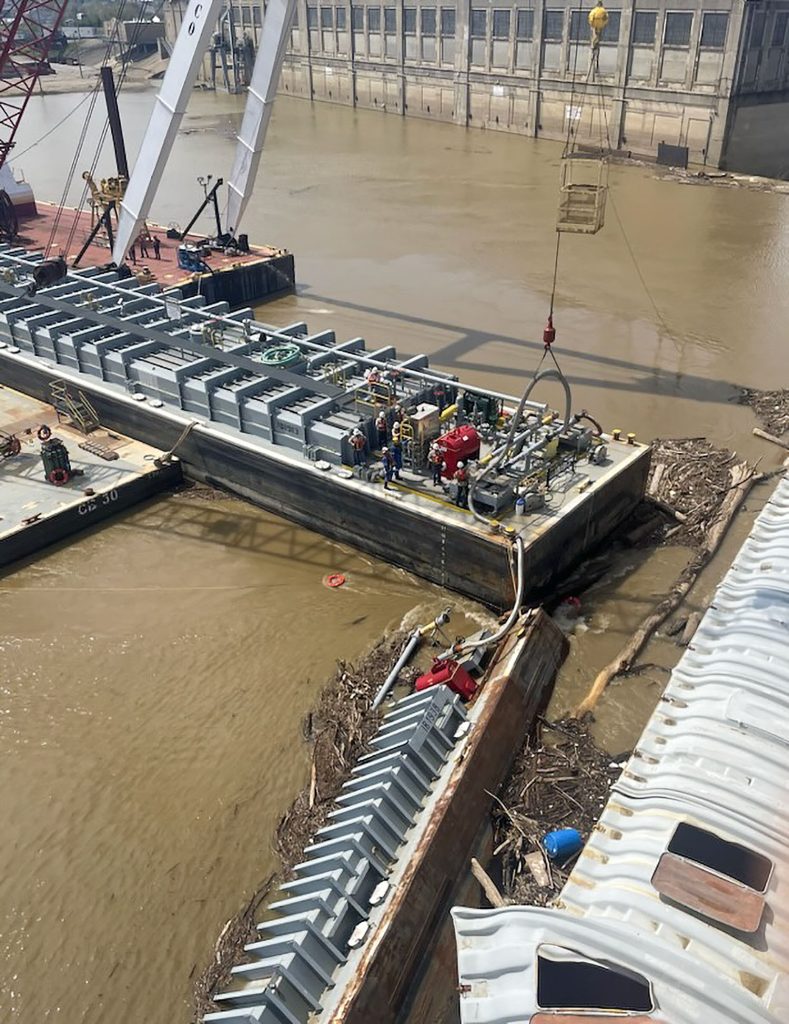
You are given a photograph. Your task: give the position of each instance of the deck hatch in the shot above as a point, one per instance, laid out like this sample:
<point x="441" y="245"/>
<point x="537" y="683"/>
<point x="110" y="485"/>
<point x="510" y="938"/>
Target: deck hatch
<point x="568" y="982"/>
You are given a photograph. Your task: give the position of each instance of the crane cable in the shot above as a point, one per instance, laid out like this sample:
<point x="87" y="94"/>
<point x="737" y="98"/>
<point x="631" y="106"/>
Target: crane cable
<point x="81" y="141"/>
<point x="628" y="246"/>
<point x="102" y="138"/>
<point x="568" y="147"/>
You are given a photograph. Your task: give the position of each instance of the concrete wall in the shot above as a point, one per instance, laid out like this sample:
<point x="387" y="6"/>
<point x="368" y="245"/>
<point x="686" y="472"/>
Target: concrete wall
<point x="667" y="68"/>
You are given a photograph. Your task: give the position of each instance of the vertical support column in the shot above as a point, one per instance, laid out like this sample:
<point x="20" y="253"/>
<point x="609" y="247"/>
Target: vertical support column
<point x="723" y="116"/>
<point x="462" y="58"/>
<point x="618" y="105"/>
<point x="401" y="86"/>
<point x="534" y="88"/>
<point x="351" y="49"/>
<point x="306" y="48"/>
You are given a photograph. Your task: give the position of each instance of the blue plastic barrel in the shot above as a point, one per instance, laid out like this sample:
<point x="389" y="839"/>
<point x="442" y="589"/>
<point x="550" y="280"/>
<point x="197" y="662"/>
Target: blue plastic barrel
<point x="562" y="843"/>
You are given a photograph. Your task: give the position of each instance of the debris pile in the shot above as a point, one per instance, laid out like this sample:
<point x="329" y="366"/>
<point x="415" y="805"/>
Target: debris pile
<point x="561" y="779"/>
<point x="340" y="731"/>
<point x="688" y="481"/>
<point x="771" y="407"/>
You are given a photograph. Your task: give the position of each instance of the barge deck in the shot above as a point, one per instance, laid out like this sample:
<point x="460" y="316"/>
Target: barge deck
<point x="109" y="473"/>
<point x="238" y="278"/>
<point x="268" y="414"/>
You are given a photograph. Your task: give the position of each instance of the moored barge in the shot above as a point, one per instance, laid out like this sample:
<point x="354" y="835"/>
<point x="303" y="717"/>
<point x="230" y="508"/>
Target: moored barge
<point x="271" y="414"/>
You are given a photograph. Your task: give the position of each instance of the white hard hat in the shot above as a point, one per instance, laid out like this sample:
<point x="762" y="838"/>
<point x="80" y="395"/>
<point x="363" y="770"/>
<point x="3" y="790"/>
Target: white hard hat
<point x="461" y="465"/>
<point x="356" y="430"/>
<point x="384" y="450"/>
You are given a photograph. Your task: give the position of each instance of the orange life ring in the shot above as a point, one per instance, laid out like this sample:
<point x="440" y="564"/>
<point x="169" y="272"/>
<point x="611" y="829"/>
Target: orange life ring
<point x="58" y="476"/>
<point x="44" y="432"/>
<point x="334" y="580"/>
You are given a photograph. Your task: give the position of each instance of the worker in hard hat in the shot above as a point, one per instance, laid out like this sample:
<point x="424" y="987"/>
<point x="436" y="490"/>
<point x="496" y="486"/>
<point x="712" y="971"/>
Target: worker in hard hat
<point x="598" y="19"/>
<point x="397" y="452"/>
<point x="461" y="479"/>
<point x="388" y="463"/>
<point x="382" y="428"/>
<point x="435" y="458"/>
<point x="358" y="443"/>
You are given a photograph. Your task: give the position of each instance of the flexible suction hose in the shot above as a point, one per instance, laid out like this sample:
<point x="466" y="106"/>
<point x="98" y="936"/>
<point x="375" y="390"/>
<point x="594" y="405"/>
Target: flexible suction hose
<point x="470" y="645"/>
<point x="501" y="453"/>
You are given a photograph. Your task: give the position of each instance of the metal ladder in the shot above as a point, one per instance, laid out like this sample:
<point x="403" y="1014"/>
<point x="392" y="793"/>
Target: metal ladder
<point x="76" y="408"/>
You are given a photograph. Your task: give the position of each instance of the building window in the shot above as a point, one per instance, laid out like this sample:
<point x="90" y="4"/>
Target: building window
<point x="479" y="23"/>
<point x="554" y="26"/>
<point x="611" y="31"/>
<point x="327" y="17"/>
<point x="312" y="17"/>
<point x="448" y="22"/>
<point x="390" y="19"/>
<point x="428" y="16"/>
<point x="409" y="21"/>
<point x="579" y="26"/>
<point x="339" y="18"/>
<point x="779" y="28"/>
<point x="644" y="25"/>
<point x="757" y="30"/>
<point x="256" y="19"/>
<point x="677" y="31"/>
<point x="525" y="25"/>
<point x="373" y="19"/>
<point x="501" y="24"/>
<point x="713" y="31"/>
<point x="357" y="19"/>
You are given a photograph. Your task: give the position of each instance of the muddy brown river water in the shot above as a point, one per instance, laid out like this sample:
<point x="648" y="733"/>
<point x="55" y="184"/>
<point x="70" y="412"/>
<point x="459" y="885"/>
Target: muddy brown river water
<point x="154" y="674"/>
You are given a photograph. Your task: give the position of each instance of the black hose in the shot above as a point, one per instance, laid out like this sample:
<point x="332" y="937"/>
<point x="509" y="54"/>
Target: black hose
<point x="496" y="461"/>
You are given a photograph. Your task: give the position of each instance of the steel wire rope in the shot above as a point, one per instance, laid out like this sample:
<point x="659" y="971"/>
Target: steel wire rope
<point x="54" y="128"/>
<point x="81" y="142"/>
<point x="565" y="154"/>
<point x="626" y="239"/>
<point x="103" y="136"/>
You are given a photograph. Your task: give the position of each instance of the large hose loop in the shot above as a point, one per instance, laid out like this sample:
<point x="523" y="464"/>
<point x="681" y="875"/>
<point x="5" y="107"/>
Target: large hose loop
<point x="498" y="457"/>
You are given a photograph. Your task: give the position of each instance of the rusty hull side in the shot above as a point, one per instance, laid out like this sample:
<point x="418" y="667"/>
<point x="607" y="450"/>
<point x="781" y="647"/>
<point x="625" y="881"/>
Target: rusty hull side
<point x="517" y="684"/>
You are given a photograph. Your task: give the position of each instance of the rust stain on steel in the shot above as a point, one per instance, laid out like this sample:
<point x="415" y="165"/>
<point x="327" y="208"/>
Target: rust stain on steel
<point x="722" y="899"/>
<point x="517" y="682"/>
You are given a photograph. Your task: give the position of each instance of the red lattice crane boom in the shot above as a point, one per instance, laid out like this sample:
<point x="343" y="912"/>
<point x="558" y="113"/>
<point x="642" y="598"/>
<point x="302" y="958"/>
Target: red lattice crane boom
<point x="25" y="39"/>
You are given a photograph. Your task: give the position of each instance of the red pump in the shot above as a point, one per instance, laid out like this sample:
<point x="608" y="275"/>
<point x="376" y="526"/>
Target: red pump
<point x="447" y="671"/>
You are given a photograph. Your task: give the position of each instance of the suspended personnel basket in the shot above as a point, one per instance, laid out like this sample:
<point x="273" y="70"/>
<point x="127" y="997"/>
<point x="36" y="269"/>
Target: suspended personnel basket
<point x="583" y="193"/>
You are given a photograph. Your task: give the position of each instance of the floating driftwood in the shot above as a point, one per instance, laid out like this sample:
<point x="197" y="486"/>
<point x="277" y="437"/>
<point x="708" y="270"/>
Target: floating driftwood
<point x="741" y="478"/>
<point x="560" y="779"/>
<point x="771" y="438"/>
<point x="771" y="407"/>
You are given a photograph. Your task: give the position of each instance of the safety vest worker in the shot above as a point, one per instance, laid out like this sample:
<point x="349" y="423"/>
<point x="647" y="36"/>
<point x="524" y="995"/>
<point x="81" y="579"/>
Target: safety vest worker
<point x="383" y="429"/>
<point x="358" y="443"/>
<point x="598" y="19"/>
<point x="436" y="459"/>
